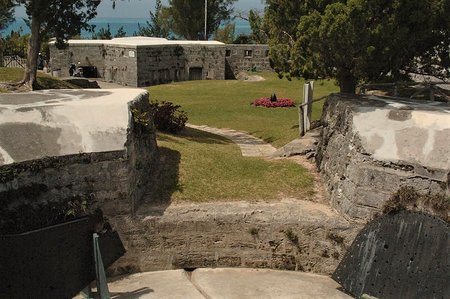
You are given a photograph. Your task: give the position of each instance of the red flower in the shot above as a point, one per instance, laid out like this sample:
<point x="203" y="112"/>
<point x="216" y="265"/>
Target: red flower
<point x="266" y="102"/>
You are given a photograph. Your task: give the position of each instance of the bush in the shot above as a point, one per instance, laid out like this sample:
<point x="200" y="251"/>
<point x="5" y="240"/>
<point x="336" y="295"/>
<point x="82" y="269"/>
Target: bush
<point x="269" y="103"/>
<point x="168" y="117"/>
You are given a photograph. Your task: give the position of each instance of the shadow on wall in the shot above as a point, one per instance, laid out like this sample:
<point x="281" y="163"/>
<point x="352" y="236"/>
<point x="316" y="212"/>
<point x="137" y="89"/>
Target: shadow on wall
<point x="133" y="294"/>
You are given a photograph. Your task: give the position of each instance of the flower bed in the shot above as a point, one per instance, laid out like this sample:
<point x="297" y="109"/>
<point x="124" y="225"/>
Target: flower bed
<point x="266" y="102"/>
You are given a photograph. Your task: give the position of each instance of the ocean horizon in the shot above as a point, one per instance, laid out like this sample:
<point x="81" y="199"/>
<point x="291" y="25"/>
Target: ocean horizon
<point x="130" y="26"/>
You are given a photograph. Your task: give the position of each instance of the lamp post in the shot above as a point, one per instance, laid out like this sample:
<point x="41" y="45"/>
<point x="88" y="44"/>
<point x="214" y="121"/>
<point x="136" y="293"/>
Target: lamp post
<point x="206" y="18"/>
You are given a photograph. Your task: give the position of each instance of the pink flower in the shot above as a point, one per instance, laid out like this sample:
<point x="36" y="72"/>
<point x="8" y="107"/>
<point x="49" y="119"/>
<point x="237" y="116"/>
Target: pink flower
<point x="281" y="102"/>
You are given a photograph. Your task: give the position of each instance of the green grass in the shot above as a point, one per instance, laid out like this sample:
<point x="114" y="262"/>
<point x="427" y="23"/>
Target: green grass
<point x="226" y="104"/>
<point x="204" y="167"/>
<point x="43" y="81"/>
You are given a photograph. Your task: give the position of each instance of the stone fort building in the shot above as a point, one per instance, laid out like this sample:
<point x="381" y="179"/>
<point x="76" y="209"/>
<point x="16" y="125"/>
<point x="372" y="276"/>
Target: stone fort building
<point x="144" y="61"/>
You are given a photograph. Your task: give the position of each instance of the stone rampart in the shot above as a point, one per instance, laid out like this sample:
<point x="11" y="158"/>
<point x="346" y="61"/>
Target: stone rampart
<point x="117" y="177"/>
<point x="246" y="58"/>
<point x="371" y="146"/>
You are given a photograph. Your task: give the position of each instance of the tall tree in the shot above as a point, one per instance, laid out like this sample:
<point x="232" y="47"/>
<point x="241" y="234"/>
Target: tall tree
<point x="189" y="16"/>
<point x="57" y="18"/>
<point x="6" y="17"/>
<point x="159" y="24"/>
<point x="6" y="13"/>
<point x="359" y="40"/>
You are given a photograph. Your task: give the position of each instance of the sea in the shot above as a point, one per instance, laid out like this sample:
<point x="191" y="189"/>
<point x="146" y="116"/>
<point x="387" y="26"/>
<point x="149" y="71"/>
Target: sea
<point x="130" y="26"/>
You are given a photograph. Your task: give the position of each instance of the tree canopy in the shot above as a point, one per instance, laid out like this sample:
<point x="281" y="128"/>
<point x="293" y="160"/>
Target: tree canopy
<point x="188" y="17"/>
<point x="57" y="18"/>
<point x="6" y="13"/>
<point x="159" y="24"/>
<point x="359" y="40"/>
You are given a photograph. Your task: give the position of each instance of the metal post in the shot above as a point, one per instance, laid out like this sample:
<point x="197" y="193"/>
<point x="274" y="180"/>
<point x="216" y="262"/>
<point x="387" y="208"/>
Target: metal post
<point x="206" y="18"/>
<point x="102" y="285"/>
<point x="307" y="109"/>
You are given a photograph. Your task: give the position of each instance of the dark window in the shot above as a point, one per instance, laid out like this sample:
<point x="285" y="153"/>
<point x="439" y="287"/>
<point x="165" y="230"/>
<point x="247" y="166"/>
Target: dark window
<point x="248" y="53"/>
<point x="267" y="53"/>
<point x="228" y="53"/>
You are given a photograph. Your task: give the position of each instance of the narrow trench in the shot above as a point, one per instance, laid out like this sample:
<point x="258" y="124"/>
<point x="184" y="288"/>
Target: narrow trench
<point x="188" y="272"/>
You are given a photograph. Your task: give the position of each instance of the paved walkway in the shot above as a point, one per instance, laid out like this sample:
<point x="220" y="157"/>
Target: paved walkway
<point x="250" y="145"/>
<point x="226" y="284"/>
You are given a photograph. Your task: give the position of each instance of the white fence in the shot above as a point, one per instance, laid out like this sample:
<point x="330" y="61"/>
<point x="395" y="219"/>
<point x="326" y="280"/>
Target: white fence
<point x="14" y="61"/>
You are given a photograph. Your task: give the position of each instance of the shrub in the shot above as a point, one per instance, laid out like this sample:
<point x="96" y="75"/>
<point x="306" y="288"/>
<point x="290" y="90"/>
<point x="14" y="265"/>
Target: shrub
<point x="168" y="117"/>
<point x="267" y="102"/>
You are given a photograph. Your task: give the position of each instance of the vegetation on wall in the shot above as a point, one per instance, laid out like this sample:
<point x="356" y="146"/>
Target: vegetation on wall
<point x="408" y="198"/>
<point x="168" y="117"/>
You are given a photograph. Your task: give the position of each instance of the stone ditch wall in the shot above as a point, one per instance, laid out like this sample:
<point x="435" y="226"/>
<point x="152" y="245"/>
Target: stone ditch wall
<point x="297" y="235"/>
<point x="370" y="147"/>
<point x="246" y="58"/>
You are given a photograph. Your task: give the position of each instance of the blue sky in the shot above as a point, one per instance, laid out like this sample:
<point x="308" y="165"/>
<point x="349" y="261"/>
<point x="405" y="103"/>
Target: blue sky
<point x="140" y="8"/>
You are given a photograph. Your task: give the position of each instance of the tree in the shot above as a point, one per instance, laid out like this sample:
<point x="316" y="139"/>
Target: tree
<point x="358" y="40"/>
<point x="6" y="17"/>
<point x="57" y="18"/>
<point x="159" y="24"/>
<point x="225" y="34"/>
<point x="256" y="21"/>
<point x="103" y="33"/>
<point x="6" y="13"/>
<point x="189" y="17"/>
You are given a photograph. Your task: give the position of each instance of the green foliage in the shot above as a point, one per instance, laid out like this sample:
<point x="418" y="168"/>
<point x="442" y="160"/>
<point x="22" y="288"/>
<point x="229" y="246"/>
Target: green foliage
<point x="6" y="13"/>
<point x="225" y="34"/>
<point x="359" y="40"/>
<point x="168" y="117"/>
<point x="256" y="21"/>
<point x="408" y="198"/>
<point x="120" y="32"/>
<point x="188" y="17"/>
<point x="159" y="24"/>
<point x="103" y="33"/>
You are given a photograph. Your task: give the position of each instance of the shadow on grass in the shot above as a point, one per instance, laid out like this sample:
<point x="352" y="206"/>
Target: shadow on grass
<point x="164" y="184"/>
<point x="194" y="135"/>
<point x="267" y="139"/>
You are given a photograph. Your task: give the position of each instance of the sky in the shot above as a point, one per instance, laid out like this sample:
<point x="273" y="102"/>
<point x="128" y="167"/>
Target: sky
<point x="140" y="8"/>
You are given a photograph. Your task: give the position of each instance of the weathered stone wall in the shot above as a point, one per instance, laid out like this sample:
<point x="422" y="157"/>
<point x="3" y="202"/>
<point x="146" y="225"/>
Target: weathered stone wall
<point x="156" y="64"/>
<point x="298" y="235"/>
<point x="87" y="54"/>
<point x="118" y="177"/>
<point x="160" y="64"/>
<point x="210" y="58"/>
<point x="97" y="177"/>
<point x="249" y="57"/>
<point x="121" y="65"/>
<point x="370" y="147"/>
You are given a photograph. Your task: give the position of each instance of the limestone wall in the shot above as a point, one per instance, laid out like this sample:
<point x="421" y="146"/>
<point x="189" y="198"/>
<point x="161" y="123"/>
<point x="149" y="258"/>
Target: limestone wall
<point x="120" y="65"/>
<point x="249" y="57"/>
<point x="370" y="147"/>
<point x="118" y="178"/>
<point x="87" y="54"/>
<point x="144" y="65"/>
<point x="298" y="235"/>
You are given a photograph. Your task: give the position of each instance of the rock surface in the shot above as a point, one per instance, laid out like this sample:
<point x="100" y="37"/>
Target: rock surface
<point x="371" y="146"/>
<point x="287" y="235"/>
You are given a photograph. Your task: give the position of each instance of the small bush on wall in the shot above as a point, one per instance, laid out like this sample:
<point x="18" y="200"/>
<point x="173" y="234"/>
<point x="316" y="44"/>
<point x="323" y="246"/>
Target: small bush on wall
<point x="168" y="117"/>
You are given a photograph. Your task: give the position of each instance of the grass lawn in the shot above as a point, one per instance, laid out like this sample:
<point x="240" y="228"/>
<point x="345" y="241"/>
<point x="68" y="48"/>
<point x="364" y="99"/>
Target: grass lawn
<point x="44" y="81"/>
<point x="204" y="167"/>
<point x="226" y="104"/>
